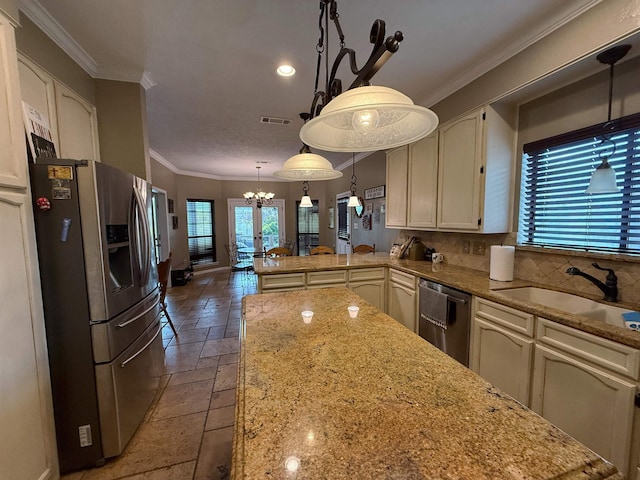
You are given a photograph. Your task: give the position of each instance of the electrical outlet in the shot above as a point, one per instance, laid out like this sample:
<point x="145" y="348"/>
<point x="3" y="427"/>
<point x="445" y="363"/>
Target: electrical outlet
<point x="478" y="248"/>
<point x="466" y="246"/>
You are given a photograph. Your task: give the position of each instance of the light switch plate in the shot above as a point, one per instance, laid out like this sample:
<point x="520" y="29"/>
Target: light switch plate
<point x="466" y="246"/>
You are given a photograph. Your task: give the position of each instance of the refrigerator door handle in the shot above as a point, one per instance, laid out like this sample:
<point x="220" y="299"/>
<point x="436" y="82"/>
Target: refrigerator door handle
<point x="132" y="357"/>
<point x="140" y="232"/>
<point x="131" y="320"/>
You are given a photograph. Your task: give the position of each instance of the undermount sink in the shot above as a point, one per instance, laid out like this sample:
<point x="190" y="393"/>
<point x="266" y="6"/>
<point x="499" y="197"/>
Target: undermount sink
<point x="569" y="303"/>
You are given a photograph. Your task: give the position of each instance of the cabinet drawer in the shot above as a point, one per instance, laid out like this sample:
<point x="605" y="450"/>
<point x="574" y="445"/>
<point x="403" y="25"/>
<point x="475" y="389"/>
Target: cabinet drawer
<point x="327" y="277"/>
<point x="284" y="280"/>
<point x="516" y="320"/>
<point x="596" y="350"/>
<point x="360" y="274"/>
<point x="401" y="278"/>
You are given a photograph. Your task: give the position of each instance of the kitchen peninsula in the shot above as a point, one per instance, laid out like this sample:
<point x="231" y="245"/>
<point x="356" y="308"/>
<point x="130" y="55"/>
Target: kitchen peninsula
<point x="365" y="398"/>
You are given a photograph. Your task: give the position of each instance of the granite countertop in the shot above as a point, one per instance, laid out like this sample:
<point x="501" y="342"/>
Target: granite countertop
<point x="362" y="398"/>
<point x="475" y="282"/>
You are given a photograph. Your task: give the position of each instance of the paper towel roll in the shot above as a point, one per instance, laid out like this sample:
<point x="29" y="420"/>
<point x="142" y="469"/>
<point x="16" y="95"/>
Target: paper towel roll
<point x="501" y="266"/>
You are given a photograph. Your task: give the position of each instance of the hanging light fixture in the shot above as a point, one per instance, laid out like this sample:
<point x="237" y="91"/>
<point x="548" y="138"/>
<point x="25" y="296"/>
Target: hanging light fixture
<point x="365" y="118"/>
<point x="261" y="197"/>
<point x="603" y="179"/>
<point x="306" y="165"/>
<point x="305" y="201"/>
<point x="354" y="201"/>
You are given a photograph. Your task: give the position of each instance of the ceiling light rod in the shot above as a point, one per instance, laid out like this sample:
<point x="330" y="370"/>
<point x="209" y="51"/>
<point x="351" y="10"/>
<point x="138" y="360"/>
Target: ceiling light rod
<point x="382" y="51"/>
<point x="603" y="179"/>
<point x="354" y="201"/>
<point x="261" y="197"/>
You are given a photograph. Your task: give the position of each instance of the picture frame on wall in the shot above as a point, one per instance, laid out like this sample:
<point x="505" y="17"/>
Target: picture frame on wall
<point x="174" y="219"/>
<point x="375" y="192"/>
<point x="331" y="219"/>
<point x="170" y="205"/>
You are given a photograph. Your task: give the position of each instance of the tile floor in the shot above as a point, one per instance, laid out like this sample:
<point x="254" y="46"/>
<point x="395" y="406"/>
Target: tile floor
<point x="188" y="431"/>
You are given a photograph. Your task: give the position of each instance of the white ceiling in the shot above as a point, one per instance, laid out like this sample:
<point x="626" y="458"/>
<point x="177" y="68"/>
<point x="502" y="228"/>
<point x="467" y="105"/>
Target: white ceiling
<point x="213" y="62"/>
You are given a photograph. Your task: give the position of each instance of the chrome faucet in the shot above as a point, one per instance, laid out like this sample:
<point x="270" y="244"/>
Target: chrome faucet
<point x="610" y="289"/>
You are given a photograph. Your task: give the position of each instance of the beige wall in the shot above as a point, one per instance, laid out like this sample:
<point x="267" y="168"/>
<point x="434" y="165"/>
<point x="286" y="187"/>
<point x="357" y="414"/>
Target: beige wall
<point x="10" y="9"/>
<point x="33" y="43"/>
<point x="122" y="125"/>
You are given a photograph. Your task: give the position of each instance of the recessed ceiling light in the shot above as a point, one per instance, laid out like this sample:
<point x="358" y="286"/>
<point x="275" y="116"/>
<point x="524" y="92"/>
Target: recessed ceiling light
<point x="286" y="71"/>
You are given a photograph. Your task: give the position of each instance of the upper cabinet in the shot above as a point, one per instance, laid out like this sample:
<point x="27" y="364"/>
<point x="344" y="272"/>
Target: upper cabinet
<point x="459" y="178"/>
<point x="72" y="119"/>
<point x="77" y="124"/>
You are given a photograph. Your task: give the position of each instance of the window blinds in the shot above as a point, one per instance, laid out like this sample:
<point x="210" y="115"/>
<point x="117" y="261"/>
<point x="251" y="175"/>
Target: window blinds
<point x="555" y="211"/>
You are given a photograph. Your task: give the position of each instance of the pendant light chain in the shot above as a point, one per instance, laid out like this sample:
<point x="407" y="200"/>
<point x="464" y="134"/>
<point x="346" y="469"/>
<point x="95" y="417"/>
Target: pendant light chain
<point x="354" y="179"/>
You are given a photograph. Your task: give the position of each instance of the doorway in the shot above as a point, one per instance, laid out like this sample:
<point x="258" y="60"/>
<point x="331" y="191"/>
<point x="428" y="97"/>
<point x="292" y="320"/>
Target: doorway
<point x="256" y="229"/>
<point x="343" y="232"/>
<point x="160" y="224"/>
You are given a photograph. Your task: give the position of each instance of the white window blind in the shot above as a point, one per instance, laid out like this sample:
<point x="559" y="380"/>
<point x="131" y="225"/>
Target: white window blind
<point x="555" y="211"/>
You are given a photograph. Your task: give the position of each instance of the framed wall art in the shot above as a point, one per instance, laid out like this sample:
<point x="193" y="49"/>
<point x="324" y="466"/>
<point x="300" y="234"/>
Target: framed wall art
<point x="375" y="192"/>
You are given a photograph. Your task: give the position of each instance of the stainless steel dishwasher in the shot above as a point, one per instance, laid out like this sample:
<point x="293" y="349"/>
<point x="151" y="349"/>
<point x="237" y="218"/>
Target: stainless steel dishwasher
<point x="445" y="319"/>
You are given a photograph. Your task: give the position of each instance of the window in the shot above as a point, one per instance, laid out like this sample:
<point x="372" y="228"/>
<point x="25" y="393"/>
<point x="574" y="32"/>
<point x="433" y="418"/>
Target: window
<point x="201" y="231"/>
<point x="308" y="227"/>
<point x="555" y="211"/>
<point x="343" y="221"/>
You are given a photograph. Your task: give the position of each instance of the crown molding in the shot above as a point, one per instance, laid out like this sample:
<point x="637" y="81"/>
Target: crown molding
<point x="357" y="158"/>
<point x="505" y="54"/>
<point x="50" y="26"/>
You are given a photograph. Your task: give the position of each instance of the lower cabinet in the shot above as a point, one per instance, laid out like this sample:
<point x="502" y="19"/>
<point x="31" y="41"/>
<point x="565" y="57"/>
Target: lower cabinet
<point x="327" y="278"/>
<point x="586" y="386"/>
<point x="370" y="283"/>
<point x="583" y="384"/>
<point x="281" y="282"/>
<point x="402" y="299"/>
<point x="502" y="347"/>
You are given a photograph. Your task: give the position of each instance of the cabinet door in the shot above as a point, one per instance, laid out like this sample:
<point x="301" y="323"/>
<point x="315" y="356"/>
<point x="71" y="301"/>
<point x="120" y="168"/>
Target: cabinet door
<point x="423" y="182"/>
<point x="503" y="358"/>
<point x="397" y="169"/>
<point x="77" y="125"/>
<point x="459" y="164"/>
<point x="589" y="404"/>
<point x="402" y="306"/>
<point x="372" y="291"/>
<point x="38" y="91"/>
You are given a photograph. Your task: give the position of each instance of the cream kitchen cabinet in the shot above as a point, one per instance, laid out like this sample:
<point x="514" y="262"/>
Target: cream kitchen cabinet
<point x="281" y="282"/>
<point x="27" y="436"/>
<point x="458" y="178"/>
<point x="370" y="284"/>
<point x="412" y="184"/>
<point x="402" y="299"/>
<point x="502" y="347"/>
<point x="586" y="386"/>
<point x="326" y="278"/>
<point x="72" y="119"/>
<point x="77" y="125"/>
<point x="475" y="171"/>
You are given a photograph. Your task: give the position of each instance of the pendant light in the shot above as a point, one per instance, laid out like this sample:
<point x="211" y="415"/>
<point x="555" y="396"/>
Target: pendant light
<point x="603" y="179"/>
<point x="365" y="118"/>
<point x="261" y="197"/>
<point x="305" y="201"/>
<point x="306" y="165"/>
<point x="354" y="201"/>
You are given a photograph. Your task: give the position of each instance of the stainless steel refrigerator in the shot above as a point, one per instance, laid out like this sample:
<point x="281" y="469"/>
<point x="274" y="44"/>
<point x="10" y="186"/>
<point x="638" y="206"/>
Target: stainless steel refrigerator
<point x="101" y="302"/>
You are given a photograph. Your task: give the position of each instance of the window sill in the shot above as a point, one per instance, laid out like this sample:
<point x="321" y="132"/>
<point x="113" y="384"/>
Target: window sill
<point x="615" y="257"/>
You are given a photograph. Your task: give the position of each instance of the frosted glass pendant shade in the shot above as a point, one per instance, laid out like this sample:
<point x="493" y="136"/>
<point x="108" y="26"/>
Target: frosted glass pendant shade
<point x="367" y="119"/>
<point x="353" y="201"/>
<point x="307" y="166"/>
<point x="306" y="201"/>
<point x="603" y="180"/>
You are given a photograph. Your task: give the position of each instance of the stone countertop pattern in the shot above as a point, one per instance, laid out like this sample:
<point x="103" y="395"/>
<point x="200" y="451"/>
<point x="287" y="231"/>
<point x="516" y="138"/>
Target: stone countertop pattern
<point x="472" y="281"/>
<point x="365" y="398"/>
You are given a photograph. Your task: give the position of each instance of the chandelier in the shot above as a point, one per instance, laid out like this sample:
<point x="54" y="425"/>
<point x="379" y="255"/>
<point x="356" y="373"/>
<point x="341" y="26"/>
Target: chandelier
<point x="261" y="197"/>
<point x="365" y="118"/>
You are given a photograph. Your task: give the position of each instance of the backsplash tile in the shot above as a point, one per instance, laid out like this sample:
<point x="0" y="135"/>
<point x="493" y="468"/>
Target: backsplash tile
<point x="539" y="267"/>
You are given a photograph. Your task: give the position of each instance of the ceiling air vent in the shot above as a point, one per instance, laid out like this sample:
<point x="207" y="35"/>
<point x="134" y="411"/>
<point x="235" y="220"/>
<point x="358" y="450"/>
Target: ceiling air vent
<point x="275" y="120"/>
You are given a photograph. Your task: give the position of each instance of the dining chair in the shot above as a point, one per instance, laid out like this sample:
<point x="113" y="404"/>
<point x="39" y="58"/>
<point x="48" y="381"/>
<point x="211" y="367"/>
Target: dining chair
<point x="164" y="269"/>
<point x="321" y="250"/>
<point x="364" y="248"/>
<point x="278" y="252"/>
